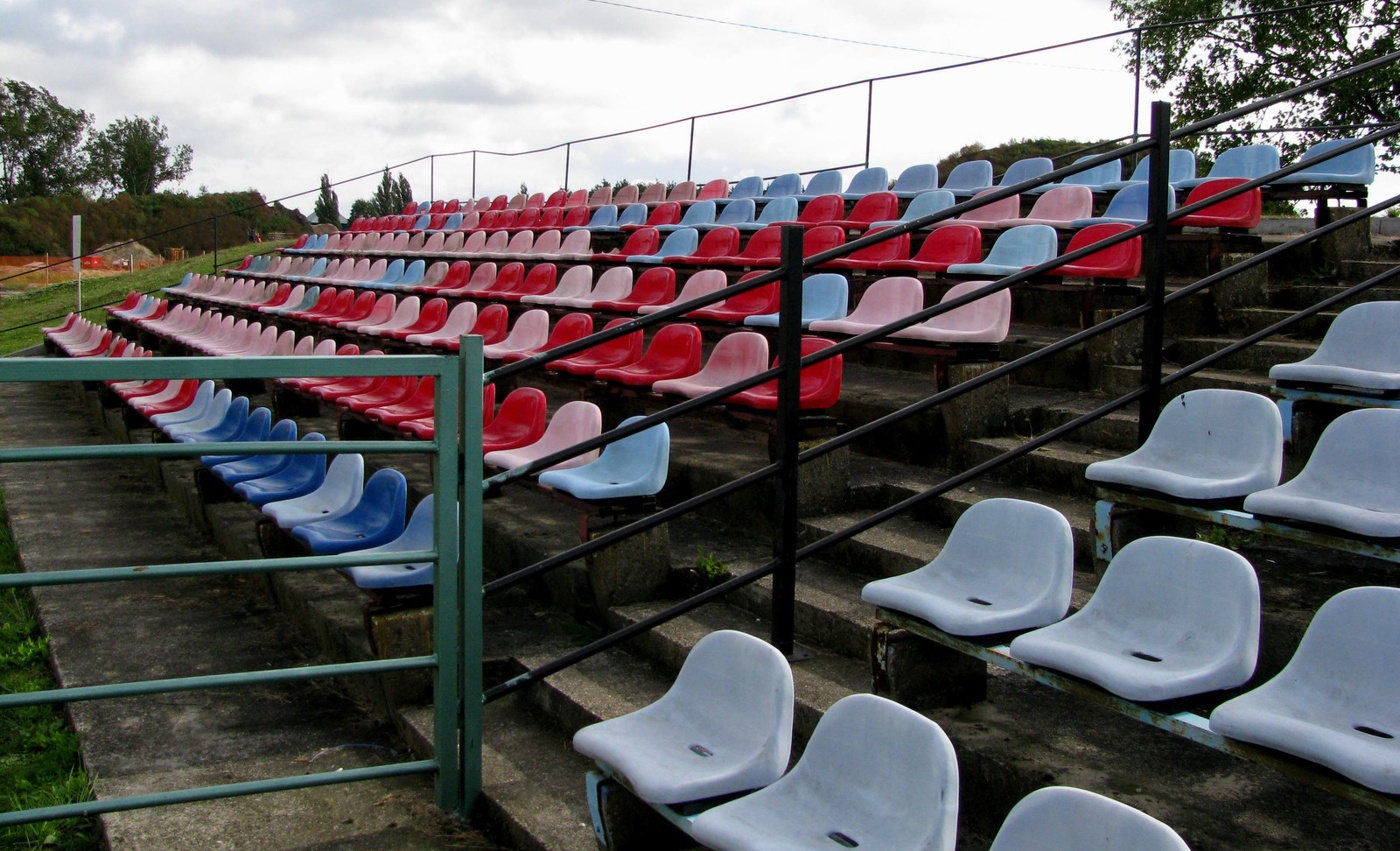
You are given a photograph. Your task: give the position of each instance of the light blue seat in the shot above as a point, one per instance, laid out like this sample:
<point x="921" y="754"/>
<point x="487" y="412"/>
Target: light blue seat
<point x="875" y="775"/>
<point x="915" y="180"/>
<point x="824" y="296"/>
<point x="1181" y="167"/>
<point x="239" y="469"/>
<point x="782" y="186"/>
<point x="924" y="204"/>
<point x="603" y="217"/>
<point x="747" y="188"/>
<point x="392" y="273"/>
<point x="969" y="178"/>
<point x="782" y="209"/>
<point x="377" y="517"/>
<point x="226" y="428"/>
<point x="1062" y="818"/>
<point x="678" y="243"/>
<point x="203" y="398"/>
<point x="412" y="274"/>
<point x="1129" y="206"/>
<point x="865" y="181"/>
<point x="1095" y="178"/>
<point x="256" y="426"/>
<point x="739" y="211"/>
<point x="192" y="420"/>
<point x="309" y="295"/>
<point x="339" y="490"/>
<point x="1360" y="350"/>
<point x="1171" y="617"/>
<point x="301" y="475"/>
<point x="699" y="213"/>
<point x="1008" y="565"/>
<point x="1026" y="169"/>
<point x="422" y="222"/>
<point x="822" y="183"/>
<point x="1014" y="250"/>
<point x="634" y="466"/>
<point x="1247" y="161"/>
<point x="417" y="535"/>
<point x="632" y="214"/>
<point x="317" y="269"/>
<point x="453" y="222"/>
<point x="1356" y="167"/>
<point x="723" y="727"/>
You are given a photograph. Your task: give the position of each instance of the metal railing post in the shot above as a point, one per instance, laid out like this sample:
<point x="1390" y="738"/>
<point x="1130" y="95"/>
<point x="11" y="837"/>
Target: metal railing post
<point x="473" y="175"/>
<point x="1154" y="261"/>
<point x="690" y="152"/>
<point x="432" y="178"/>
<point x="869" y="117"/>
<point x="568" y="161"/>
<point x="789" y="390"/>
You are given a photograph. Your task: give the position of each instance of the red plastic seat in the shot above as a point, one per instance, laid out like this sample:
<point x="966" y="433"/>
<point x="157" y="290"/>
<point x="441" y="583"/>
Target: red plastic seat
<point x="870" y="257"/>
<point x="644" y="241"/>
<point x="431" y="317"/>
<point x="655" y="193"/>
<point x="538" y="281"/>
<point x="491" y="322"/>
<point x="713" y="190"/>
<point x="519" y="422"/>
<point x="458" y="274"/>
<point x="482" y="278"/>
<point x="416" y="405"/>
<point x="556" y="199"/>
<point x="329" y="302"/>
<point x="735" y="357"/>
<point x="716" y="243"/>
<point x="577" y="198"/>
<point x="387" y="390"/>
<point x="550" y="219"/>
<point x="764" y="246"/>
<point x="613" y="354"/>
<point x="1242" y="211"/>
<point x="759" y="300"/>
<point x="821" y="383"/>
<point x="570" y="328"/>
<point x="526" y="220"/>
<point x="674" y="352"/>
<point x="875" y="207"/>
<point x="575" y="217"/>
<point x="1121" y="261"/>
<point x="942" y="248"/>
<point x="821" y="210"/>
<point x="702" y="283"/>
<point x="508" y="278"/>
<point x="665" y="213"/>
<point x="656" y="285"/>
<point x="535" y="201"/>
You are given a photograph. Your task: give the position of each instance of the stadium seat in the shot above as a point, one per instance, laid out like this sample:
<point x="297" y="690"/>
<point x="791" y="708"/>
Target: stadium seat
<point x="644" y="241"/>
<point x="570" y="328"/>
<point x="600" y="197"/>
<point x="483" y="277"/>
<point x="234" y="469"/>
<point x="1247" y="161"/>
<point x="819" y="389"/>
<point x="874" y="775"/>
<point x="1062" y="818"/>
<point x="1057" y="207"/>
<point x="204" y="412"/>
<point x="883" y="302"/>
<point x="614" y="353"/>
<point x="1207" y="444"/>
<point x="576" y="245"/>
<point x="1181" y="166"/>
<point x="866" y="181"/>
<point x="1018" y="248"/>
<point x="915" y="180"/>
<point x="941" y="249"/>
<point x="924" y="204"/>
<point x="573" y="423"/>
<point x="603" y="217"/>
<point x="702" y="283"/>
<point x="736" y="356"/>
<point x="376" y="518"/>
<point x="698" y="213"/>
<point x="1120" y="261"/>
<point x="300" y="475"/>
<point x="678" y="243"/>
<point x="613" y="284"/>
<point x="988" y="215"/>
<point x="760" y="299"/>
<point x="674" y="352"/>
<point x="823" y="183"/>
<point x="745" y="189"/>
<point x="739" y="211"/>
<point x="986" y="320"/>
<point x="1025" y="169"/>
<point x="631" y="217"/>
<point x="819" y="210"/>
<point x="1242" y="211"/>
<point x="387" y="390"/>
<point x="1348" y="482"/>
<point x="538" y="281"/>
<point x="869" y="208"/>
<point x="431" y="317"/>
<point x="1007" y="566"/>
<point x="416" y="535"/>
<point x="1171" y="617"/>
<point x="870" y="257"/>
<point x="684" y="191"/>
<point x="1335" y="702"/>
<point x="781" y="209"/>
<point x="1358" y="351"/>
<point x="338" y="492"/>
<point x="186" y="396"/>
<point x="789" y="184"/>
<point x="630" y="468"/>
<point x="458" y="321"/>
<point x="968" y="178"/>
<point x="405" y="314"/>
<point x="1356" y="167"/>
<point x="824" y="296"/>
<point x="1095" y="178"/>
<point x="576" y="282"/>
<point x="715" y="244"/>
<point x="417" y="404"/>
<point x="255" y="425"/>
<point x="723" y="727"/>
<point x="763" y="248"/>
<point x="528" y="333"/>
<point x="665" y="213"/>
<point x="520" y="420"/>
<point x="656" y="285"/>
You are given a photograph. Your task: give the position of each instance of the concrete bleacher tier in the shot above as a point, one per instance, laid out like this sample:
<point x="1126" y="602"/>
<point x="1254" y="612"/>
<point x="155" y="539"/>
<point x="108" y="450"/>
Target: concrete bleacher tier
<point x="1015" y="740"/>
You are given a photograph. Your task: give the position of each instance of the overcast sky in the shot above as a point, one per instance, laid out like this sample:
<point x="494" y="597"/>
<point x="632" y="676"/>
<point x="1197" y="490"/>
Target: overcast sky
<point x="272" y="93"/>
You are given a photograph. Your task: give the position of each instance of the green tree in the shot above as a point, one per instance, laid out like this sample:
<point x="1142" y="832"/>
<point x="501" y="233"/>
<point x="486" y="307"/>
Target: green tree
<point x="390" y="196"/>
<point x="131" y="155"/>
<point x="1007" y="153"/>
<point x="40" y="143"/>
<point x="327" y="209"/>
<point x="1212" y="67"/>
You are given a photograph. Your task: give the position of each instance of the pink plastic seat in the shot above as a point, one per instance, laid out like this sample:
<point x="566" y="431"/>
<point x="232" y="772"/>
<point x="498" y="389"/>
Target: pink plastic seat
<point x="431" y="317"/>
<point x="883" y="302"/>
<point x="457" y="322"/>
<point x="988" y="214"/>
<point x="529" y="333"/>
<point x="760" y="300"/>
<point x="613" y="284"/>
<point x="961" y="243"/>
<point x="1056" y="207"/>
<point x="870" y="257"/>
<point x="576" y="245"/>
<point x="986" y="320"/>
<point x="821" y="383"/>
<point x="574" y="283"/>
<point x="702" y="283"/>
<point x="736" y="356"/>
<point x="656" y="285"/>
<point x="1121" y="261"/>
<point x="519" y="422"/>
<point x="381" y="312"/>
<point x="569" y="328"/>
<point x="1242" y="211"/>
<point x="483" y="277"/>
<point x="405" y="314"/>
<point x="613" y="354"/>
<point x="573" y="423"/>
<point x="674" y="352"/>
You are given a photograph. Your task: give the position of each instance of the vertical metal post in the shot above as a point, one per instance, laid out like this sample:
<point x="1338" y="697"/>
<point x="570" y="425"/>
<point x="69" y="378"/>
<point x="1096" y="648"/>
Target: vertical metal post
<point x="568" y="158"/>
<point x="789" y="413"/>
<point x="216" y="243"/>
<point x="473" y="175"/>
<point x="690" y="152"/>
<point x="1154" y="262"/>
<point x="1137" y="80"/>
<point x="432" y="178"/>
<point x="869" y="117"/>
<point x="469" y="551"/>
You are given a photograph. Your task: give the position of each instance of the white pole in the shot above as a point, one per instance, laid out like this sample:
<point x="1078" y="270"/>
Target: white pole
<point x="78" y="257"/>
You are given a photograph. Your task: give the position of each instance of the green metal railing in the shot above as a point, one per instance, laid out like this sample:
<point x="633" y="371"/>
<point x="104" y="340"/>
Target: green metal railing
<point x="457" y="638"/>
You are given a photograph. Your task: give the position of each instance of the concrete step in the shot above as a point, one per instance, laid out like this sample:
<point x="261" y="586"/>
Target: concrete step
<point x="1249" y="320"/>
<point x="1119" y="380"/>
<point x="1297" y="296"/>
<point x="1258" y="358"/>
<point x="1058" y="467"/>
<point x="1035" y="411"/>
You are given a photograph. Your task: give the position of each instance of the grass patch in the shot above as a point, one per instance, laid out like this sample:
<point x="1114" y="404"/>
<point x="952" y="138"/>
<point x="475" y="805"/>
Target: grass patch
<point x="22" y="314"/>
<point x="39" y="753"/>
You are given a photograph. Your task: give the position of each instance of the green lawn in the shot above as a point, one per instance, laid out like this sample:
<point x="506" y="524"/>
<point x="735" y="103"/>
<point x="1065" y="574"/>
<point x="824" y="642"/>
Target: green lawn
<point x="39" y="753"/>
<point x="22" y="315"/>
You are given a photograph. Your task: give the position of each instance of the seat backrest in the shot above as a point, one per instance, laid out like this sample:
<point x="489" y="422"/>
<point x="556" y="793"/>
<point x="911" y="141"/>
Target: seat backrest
<point x="1123" y="260"/>
<point x="655" y="193"/>
<point x="780" y="209"/>
<point x="1249" y="161"/>
<point x="989" y="317"/>
<point x="1131" y="202"/>
<point x="867" y="180"/>
<point x="1024" y="245"/>
<point x="641" y="459"/>
<point x="602" y="196"/>
<point x="784" y="185"/>
<point x="1064" y="203"/>
<point x="1241" y="211"/>
<point x="1011" y="545"/>
<point x="643" y="241"/>
<point x="576" y="242"/>
<point x="825" y="183"/>
<point x="675" y="349"/>
<point x="874" y="206"/>
<point x="682" y="191"/>
<point x="523" y="409"/>
<point x="1026" y="169"/>
<point x="576" y="282"/>
<point x="738" y="211"/>
<point x="1358" y="165"/>
<point x="713" y="189"/>
<point x="1363" y="337"/>
<point x="921" y="177"/>
<point x="699" y="213"/>
<point x="927" y="203"/>
<point x="823" y="208"/>
<point x="629" y="194"/>
<point x="1100" y="174"/>
<point x="1213" y="432"/>
<point x="993" y="211"/>
<point x="1062" y="818"/>
<point x="1349" y="651"/>
<point x="970" y="176"/>
<point x="888" y="299"/>
<point x="680" y="242"/>
<point x="747" y="187"/>
<point x="1356" y="454"/>
<point x="633" y="214"/>
<point x="604" y="216"/>
<point x="824" y="296"/>
<point x="736" y="355"/>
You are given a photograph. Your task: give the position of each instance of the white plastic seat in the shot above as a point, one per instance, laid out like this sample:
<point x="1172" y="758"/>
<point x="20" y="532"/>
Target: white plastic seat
<point x="883" y="302"/>
<point x="529" y="333"/>
<point x="190" y="419"/>
<point x="702" y="283"/>
<point x="614" y="284"/>
<point x="1207" y="444"/>
<point x="417" y="535"/>
<point x="1171" y="617"/>
<point x="1349" y="481"/>
<point x="1062" y="818"/>
<point x="1359" y="350"/>
<point x="875" y="775"/>
<point x="1008" y="566"/>
<point x="1337" y="701"/>
<point x="986" y="320"/>
<point x="724" y="726"/>
<point x="634" y="466"/>
<point x="576" y="282"/>
<point x="736" y="356"/>
<point x="459" y="322"/>
<point x="338" y="494"/>
<point x="573" y="423"/>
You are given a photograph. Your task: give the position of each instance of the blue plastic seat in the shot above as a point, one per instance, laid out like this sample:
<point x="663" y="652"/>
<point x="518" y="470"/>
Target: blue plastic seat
<point x="782" y="209"/>
<point x="824" y="296"/>
<point x="1062" y="818"/>
<point x="969" y="178"/>
<point x="914" y="180"/>
<point x="739" y="211"/>
<point x="782" y="186"/>
<point x="392" y="273"/>
<point x="631" y="215"/>
<point x="1095" y="178"/>
<point x="699" y="213"/>
<point x="1025" y="169"/>
<point x="223" y="420"/>
<point x="412" y="274"/>
<point x="678" y="243"/>
<point x="376" y="518"/>
<point x="236" y="470"/>
<point x="340" y="488"/>
<point x="1247" y="161"/>
<point x="634" y="466"/>
<point x="301" y="475"/>
<point x="746" y="189"/>
<point x="924" y="204"/>
<point x="1357" y="167"/>
<point x="865" y="181"/>
<point x="603" y="217"/>
<point x="1181" y="167"/>
<point x="1129" y="206"/>
<point x="1016" y="249"/>
<point x="822" y="183"/>
<point x="256" y="426"/>
<point x="417" y="535"/>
